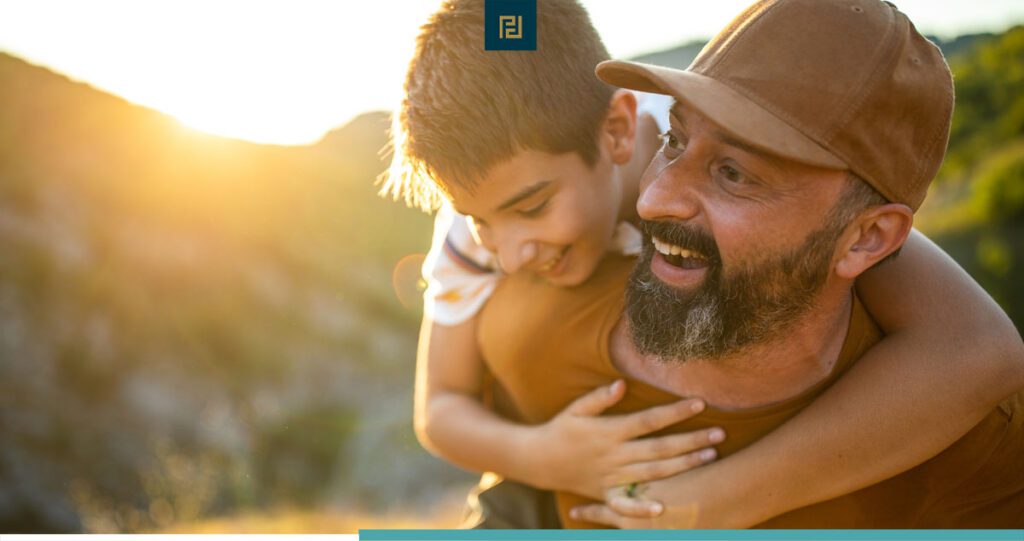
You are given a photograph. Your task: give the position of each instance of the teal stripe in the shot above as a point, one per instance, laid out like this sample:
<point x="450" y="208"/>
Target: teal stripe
<point x="690" y="535"/>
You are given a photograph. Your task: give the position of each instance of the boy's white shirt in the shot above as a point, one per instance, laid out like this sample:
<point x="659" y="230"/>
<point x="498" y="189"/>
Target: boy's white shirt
<point x="461" y="274"/>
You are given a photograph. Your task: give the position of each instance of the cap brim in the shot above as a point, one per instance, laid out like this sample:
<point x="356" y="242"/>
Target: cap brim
<point x="737" y="115"/>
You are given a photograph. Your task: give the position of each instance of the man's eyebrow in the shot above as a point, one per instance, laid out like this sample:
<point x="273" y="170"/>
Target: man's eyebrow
<point x="675" y="113"/>
<point x="524" y="193"/>
<point x="725" y="137"/>
<point x="750" y="149"/>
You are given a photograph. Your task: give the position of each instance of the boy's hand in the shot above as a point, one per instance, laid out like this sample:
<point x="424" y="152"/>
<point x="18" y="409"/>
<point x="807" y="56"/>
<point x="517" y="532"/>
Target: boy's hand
<point x="695" y="499"/>
<point x="636" y="515"/>
<point x="582" y="452"/>
<point x="628" y="508"/>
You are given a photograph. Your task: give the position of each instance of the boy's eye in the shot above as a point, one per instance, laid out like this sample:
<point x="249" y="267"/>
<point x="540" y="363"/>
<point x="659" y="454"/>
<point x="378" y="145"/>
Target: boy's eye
<point x="534" y="210"/>
<point x="475" y="224"/>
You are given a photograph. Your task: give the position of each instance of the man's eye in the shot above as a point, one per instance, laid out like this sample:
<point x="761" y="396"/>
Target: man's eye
<point x="731" y="174"/>
<point x="535" y="210"/>
<point x="671" y="143"/>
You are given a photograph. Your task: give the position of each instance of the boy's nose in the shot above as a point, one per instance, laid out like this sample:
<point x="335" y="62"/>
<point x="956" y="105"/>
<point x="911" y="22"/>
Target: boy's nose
<point x="516" y="255"/>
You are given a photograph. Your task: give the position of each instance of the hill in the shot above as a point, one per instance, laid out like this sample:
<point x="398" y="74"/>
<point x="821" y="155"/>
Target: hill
<point x="194" y="325"/>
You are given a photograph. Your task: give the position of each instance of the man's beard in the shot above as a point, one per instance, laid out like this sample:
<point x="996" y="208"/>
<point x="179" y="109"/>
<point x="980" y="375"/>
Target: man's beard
<point x="751" y="305"/>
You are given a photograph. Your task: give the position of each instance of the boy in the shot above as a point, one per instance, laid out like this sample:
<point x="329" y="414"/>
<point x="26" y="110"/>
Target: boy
<point x="544" y="160"/>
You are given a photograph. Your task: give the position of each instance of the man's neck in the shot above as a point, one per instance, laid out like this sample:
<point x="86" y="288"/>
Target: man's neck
<point x="757" y="376"/>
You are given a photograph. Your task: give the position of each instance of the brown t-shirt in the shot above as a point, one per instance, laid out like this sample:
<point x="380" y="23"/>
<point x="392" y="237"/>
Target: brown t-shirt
<point x="547" y="346"/>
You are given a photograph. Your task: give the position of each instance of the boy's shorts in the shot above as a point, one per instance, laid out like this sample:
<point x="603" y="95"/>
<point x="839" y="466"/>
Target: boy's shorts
<point x="501" y="504"/>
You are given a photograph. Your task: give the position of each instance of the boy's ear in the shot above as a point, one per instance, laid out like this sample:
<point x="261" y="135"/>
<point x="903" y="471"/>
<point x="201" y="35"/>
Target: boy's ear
<point x="871" y="237"/>
<point x="618" y="133"/>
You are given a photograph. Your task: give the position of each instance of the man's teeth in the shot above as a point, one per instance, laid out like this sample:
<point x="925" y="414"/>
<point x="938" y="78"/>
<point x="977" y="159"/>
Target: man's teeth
<point x="671" y="249"/>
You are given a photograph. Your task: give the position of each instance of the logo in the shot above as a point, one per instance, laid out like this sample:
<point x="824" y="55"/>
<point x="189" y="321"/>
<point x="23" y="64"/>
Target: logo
<point x="510" y="25"/>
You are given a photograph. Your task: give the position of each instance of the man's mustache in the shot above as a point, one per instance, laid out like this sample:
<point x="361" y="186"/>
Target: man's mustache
<point x="683" y="235"/>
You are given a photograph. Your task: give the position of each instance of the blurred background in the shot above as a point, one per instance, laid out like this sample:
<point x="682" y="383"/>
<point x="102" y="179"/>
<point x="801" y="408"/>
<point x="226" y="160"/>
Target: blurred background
<point x="207" y="316"/>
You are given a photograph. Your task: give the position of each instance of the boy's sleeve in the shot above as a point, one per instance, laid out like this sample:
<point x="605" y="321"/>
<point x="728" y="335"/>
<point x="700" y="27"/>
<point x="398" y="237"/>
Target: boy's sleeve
<point x="460" y="274"/>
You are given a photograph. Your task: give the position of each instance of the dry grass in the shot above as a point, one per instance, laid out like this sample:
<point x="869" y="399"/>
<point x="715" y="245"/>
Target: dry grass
<point x="444" y="512"/>
<point x="320" y="521"/>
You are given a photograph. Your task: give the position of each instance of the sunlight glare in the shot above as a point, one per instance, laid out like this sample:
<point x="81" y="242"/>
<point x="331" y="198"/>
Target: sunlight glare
<point x="271" y="72"/>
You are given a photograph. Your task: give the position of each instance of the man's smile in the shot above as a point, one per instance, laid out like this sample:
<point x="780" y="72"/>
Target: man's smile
<point x="679" y="256"/>
<point x="678" y="271"/>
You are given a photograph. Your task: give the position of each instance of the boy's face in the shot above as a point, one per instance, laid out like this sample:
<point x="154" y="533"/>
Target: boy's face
<point x="545" y="213"/>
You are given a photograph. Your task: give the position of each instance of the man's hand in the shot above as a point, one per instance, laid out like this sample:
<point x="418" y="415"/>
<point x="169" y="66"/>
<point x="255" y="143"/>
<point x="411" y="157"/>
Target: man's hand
<point x="583" y="452"/>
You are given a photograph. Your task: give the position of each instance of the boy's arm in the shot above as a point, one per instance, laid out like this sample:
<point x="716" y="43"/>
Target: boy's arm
<point x="577" y="450"/>
<point x="449" y="418"/>
<point x="950" y="355"/>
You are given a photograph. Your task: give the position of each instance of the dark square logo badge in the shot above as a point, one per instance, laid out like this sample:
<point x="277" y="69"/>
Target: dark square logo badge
<point x="510" y="25"/>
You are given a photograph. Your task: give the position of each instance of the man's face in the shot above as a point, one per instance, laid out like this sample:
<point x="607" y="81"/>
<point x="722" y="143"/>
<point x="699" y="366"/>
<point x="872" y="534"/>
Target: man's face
<point x="545" y="213"/>
<point x="739" y="243"/>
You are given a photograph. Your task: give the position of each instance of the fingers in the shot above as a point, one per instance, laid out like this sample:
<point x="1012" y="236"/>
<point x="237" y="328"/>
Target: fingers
<point x="596" y="513"/>
<point x="598" y="400"/>
<point x="645" y="449"/>
<point x="635" y="508"/>
<point x="659" y="469"/>
<point x="654" y="419"/>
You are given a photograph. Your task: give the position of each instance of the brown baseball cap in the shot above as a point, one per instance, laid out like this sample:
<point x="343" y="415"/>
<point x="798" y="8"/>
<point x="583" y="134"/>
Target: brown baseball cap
<point x="845" y="84"/>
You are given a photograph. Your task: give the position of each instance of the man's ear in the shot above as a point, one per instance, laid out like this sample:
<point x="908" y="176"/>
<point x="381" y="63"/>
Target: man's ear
<point x="873" y="235"/>
<point x="618" y="132"/>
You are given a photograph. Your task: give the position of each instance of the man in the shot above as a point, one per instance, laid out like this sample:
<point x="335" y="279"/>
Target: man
<point x="804" y="137"/>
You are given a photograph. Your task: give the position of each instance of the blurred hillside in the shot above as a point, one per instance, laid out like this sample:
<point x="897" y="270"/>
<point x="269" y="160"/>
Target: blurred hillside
<point x="193" y="327"/>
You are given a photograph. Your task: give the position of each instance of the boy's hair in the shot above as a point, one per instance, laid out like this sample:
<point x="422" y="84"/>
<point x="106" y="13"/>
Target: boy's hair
<point x="466" y="109"/>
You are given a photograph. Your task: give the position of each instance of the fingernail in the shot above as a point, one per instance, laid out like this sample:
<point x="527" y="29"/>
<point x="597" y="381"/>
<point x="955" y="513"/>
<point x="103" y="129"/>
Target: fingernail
<point x="615" y="386"/>
<point x="657" y="508"/>
<point x="707" y="454"/>
<point x="574" y="514"/>
<point x="716" y="435"/>
<point x="697" y="406"/>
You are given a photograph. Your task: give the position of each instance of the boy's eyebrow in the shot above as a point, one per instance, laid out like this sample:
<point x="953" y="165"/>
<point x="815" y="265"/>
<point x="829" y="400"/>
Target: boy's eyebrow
<point x="524" y="193"/>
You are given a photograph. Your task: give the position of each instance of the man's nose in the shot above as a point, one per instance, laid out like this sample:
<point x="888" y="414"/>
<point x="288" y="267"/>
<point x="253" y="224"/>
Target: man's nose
<point x="670" y="192"/>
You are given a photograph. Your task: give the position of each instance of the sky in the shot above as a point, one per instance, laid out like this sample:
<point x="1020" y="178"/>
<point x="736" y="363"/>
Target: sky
<point x="286" y="72"/>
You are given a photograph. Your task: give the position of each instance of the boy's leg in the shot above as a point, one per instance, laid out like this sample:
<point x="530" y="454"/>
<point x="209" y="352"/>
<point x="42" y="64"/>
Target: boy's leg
<point x="497" y="503"/>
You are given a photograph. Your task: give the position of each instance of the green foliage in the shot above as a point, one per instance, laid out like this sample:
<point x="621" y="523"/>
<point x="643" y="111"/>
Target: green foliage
<point x="997" y="191"/>
<point x="989" y="79"/>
